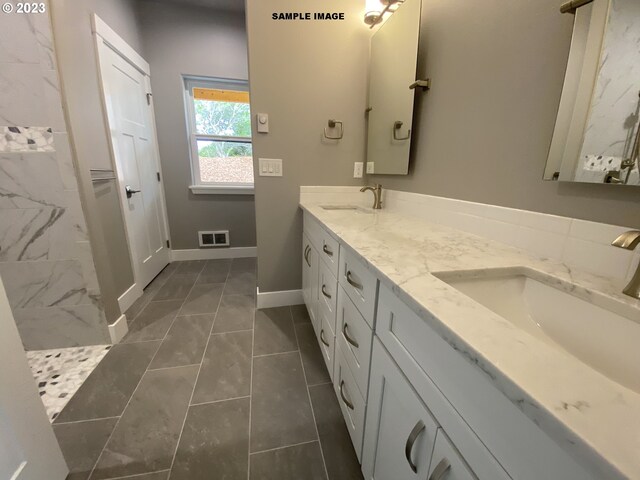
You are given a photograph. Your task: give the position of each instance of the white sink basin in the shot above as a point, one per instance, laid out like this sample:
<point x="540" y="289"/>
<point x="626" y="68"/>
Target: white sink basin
<point x="605" y="341"/>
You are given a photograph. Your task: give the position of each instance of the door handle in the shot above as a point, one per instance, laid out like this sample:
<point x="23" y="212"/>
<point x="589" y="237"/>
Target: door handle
<point x="326" y="250"/>
<point x="344" y="399"/>
<point x="408" y="448"/>
<point x="130" y="191"/>
<point x="322" y="337"/>
<point x="345" y="327"/>
<point x="306" y="255"/>
<point x="324" y="292"/>
<point x="441" y="469"/>
<point x="352" y="282"/>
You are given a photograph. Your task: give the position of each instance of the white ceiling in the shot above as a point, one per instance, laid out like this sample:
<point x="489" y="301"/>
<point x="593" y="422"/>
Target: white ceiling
<point x="226" y="5"/>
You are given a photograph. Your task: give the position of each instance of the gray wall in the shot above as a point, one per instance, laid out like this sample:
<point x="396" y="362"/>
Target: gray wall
<point x="483" y="132"/>
<point x="302" y="74"/>
<point x="79" y="75"/>
<point x="193" y="41"/>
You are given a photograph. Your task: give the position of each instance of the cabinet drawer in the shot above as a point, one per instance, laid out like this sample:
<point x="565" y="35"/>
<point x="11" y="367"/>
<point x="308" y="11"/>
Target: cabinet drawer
<point x="401" y="432"/>
<point x="359" y="283"/>
<point x="351" y="402"/>
<point x="447" y="463"/>
<point x="328" y="294"/>
<point x="327" y="342"/>
<point x="312" y="229"/>
<point x="329" y="251"/>
<point x="354" y="337"/>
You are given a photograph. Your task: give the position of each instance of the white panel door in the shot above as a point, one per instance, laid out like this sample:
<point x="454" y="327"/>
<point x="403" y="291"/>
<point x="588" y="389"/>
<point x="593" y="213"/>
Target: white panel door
<point x="132" y="128"/>
<point x="28" y="447"/>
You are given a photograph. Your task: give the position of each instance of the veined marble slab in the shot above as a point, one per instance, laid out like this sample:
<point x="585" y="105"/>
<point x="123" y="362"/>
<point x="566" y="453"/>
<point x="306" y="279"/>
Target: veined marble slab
<point x="404" y="251"/>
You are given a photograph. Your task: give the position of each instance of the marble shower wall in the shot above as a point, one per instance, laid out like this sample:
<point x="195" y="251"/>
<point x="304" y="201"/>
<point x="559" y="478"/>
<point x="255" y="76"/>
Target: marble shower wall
<point x="613" y="118"/>
<point x="46" y="261"/>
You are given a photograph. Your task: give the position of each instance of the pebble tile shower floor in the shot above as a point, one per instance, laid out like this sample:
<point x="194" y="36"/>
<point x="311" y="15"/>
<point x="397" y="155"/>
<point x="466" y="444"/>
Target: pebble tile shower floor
<point x="205" y="387"/>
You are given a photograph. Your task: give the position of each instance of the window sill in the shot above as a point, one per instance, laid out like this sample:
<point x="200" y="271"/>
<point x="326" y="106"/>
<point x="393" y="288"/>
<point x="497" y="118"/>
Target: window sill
<point x="220" y="190"/>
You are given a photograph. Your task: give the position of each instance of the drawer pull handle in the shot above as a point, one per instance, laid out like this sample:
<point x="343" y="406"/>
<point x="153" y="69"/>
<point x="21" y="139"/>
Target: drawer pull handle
<point x="326" y="250"/>
<point x="439" y="472"/>
<point x="344" y="399"/>
<point x="352" y="282"/>
<point x="348" y="337"/>
<point x="306" y="255"/>
<point x="408" y="447"/>
<point x="322" y="337"/>
<point x="324" y="292"/>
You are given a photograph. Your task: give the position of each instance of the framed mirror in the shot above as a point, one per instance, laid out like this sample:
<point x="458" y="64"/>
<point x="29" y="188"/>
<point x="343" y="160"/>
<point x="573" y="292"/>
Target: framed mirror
<point x="597" y="135"/>
<point x="394" y="54"/>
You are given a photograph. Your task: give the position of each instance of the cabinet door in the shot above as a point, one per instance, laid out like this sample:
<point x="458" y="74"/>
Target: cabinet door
<point x="310" y="279"/>
<point x="400" y="431"/>
<point x="447" y="463"/>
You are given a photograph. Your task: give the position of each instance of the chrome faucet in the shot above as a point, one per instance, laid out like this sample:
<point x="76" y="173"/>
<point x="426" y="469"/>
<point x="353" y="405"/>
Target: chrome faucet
<point x="630" y="240"/>
<point x="377" y="195"/>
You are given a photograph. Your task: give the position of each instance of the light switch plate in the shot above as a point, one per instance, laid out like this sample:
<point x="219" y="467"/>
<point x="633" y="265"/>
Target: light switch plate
<point x="262" y="121"/>
<point x="370" y="167"/>
<point x="270" y="167"/>
<point x="357" y="169"/>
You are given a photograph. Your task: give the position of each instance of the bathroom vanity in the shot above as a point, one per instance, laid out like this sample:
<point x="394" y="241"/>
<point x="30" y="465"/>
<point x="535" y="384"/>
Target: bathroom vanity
<point x="437" y="374"/>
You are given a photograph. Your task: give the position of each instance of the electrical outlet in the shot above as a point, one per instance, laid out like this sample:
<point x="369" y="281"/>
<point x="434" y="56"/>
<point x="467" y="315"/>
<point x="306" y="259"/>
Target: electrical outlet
<point x="357" y="169"/>
<point x="370" y="167"/>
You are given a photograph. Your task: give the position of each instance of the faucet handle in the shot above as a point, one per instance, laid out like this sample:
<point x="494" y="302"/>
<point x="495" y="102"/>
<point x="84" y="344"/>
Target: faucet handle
<point x="628" y="240"/>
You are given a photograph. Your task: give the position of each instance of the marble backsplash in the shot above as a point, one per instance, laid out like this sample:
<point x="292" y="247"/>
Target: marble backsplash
<point x="46" y="261"/>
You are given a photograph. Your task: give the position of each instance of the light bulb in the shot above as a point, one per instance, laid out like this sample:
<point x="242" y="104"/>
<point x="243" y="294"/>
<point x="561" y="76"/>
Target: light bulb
<point x="372" y="12"/>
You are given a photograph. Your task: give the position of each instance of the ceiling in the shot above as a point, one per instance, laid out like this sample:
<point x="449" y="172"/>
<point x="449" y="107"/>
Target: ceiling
<point x="225" y="5"/>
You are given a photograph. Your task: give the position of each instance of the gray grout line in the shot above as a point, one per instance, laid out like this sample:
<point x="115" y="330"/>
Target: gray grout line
<point x="253" y="336"/>
<point x="84" y="421"/>
<point x="219" y="401"/>
<point x="170" y="368"/>
<point x="285" y="446"/>
<point x="313" y="414"/>
<point x="138" y="475"/>
<point x="319" y="384"/>
<point x="233" y="331"/>
<point x="195" y="384"/>
<point x="277" y="353"/>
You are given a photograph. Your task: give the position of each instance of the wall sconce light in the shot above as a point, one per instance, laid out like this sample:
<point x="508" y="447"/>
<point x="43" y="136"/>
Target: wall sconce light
<point x="375" y="10"/>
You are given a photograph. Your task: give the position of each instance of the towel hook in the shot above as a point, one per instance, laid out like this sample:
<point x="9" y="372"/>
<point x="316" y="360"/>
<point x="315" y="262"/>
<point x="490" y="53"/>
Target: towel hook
<point x="333" y="124"/>
<point x="397" y="125"/>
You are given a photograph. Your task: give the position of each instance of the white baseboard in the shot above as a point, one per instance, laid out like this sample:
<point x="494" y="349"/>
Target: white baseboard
<point x="213" y="253"/>
<point x="279" y="299"/>
<point x="118" y="329"/>
<point x="127" y="299"/>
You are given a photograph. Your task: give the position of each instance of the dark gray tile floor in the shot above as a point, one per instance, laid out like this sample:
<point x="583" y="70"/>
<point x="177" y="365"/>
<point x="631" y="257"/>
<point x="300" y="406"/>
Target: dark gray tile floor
<point x="205" y="387"/>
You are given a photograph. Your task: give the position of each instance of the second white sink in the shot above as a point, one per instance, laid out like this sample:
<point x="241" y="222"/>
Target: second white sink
<point x="605" y="341"/>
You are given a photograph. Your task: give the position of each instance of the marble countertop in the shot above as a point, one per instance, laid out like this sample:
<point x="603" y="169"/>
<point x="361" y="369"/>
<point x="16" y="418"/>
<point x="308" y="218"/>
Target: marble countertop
<point x="592" y="417"/>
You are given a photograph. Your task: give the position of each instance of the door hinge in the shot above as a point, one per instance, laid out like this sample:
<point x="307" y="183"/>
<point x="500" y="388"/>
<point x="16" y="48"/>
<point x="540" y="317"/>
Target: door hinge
<point x="168" y="244"/>
<point x="149" y="95"/>
<point x="158" y="175"/>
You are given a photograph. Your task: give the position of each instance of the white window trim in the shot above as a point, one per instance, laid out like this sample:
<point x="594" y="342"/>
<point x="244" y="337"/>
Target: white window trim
<point x="197" y="187"/>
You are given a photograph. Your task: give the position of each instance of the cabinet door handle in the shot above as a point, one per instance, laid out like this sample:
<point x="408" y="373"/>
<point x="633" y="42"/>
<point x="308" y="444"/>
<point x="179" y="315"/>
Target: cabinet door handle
<point x="440" y="471"/>
<point x="344" y="399"/>
<point x="326" y="250"/>
<point x="352" y="282"/>
<point x="348" y="337"/>
<point x="306" y="255"/>
<point x="322" y="337"/>
<point x="408" y="447"/>
<point x="324" y="292"/>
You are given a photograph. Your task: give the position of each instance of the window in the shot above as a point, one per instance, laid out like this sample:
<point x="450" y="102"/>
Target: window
<point x="220" y="135"/>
